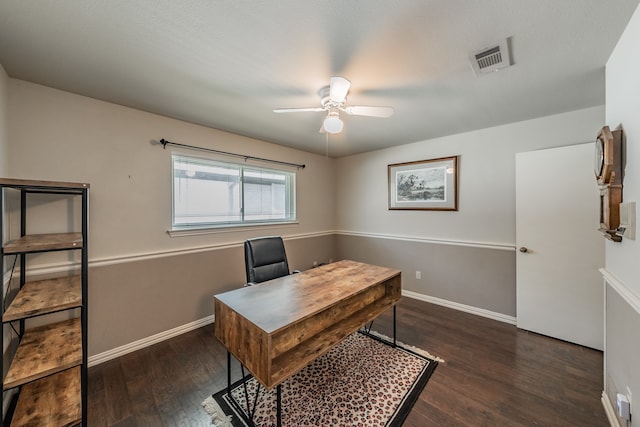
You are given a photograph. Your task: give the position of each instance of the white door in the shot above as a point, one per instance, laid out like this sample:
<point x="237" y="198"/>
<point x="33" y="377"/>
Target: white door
<point x="559" y="249"/>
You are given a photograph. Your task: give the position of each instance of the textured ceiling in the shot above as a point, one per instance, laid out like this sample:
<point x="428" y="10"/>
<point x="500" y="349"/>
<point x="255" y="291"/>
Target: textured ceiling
<point x="228" y="64"/>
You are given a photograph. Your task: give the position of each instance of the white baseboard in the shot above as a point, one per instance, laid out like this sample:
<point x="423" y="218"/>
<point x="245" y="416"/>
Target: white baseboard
<point x="146" y="342"/>
<point x="462" y="307"/>
<point x="608" y="409"/>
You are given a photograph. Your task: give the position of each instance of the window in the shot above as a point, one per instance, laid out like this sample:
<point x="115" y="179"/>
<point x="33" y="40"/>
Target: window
<point x="211" y="193"/>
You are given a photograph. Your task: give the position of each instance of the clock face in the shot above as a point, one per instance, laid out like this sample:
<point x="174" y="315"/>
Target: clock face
<point x="599" y="158"/>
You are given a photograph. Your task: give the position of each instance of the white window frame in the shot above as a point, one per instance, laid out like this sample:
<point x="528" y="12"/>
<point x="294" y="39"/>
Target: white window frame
<point x="186" y="228"/>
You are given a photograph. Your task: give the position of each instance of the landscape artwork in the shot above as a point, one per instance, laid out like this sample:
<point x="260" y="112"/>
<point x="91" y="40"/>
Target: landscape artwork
<point x="421" y="184"/>
<point x="424" y="185"/>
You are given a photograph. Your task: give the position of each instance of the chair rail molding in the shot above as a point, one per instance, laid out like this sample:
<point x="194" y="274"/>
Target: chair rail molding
<point x="452" y="242"/>
<point x="624" y="291"/>
<point x="144" y="256"/>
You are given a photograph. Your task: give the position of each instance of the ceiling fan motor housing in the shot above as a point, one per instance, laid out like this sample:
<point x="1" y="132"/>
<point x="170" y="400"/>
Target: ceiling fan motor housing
<point x="325" y="99"/>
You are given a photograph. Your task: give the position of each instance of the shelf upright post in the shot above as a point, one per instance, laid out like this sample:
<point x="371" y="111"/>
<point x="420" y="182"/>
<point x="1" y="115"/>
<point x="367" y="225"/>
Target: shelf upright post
<point x="23" y="256"/>
<point x="84" y="375"/>
<point x="2" y="293"/>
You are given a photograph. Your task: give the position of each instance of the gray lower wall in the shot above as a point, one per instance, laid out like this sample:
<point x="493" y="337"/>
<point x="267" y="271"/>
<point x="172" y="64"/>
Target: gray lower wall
<point x="481" y="277"/>
<point x="134" y="300"/>
<point x="622" y="352"/>
<point x="131" y="301"/>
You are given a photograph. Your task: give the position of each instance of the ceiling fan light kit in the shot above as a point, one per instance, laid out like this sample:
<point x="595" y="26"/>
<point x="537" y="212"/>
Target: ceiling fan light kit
<point x="332" y="124"/>
<point x="333" y="99"/>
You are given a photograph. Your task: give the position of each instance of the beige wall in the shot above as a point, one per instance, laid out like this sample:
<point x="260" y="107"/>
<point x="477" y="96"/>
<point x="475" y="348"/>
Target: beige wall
<point x="142" y="281"/>
<point x="57" y="135"/>
<point x="486" y="212"/>
<point x="622" y="271"/>
<point x="480" y="236"/>
<point x="623" y="104"/>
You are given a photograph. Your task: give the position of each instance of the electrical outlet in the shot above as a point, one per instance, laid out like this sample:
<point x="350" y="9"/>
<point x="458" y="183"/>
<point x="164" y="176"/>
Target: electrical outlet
<point x="624" y="406"/>
<point x="315" y="263"/>
<point x="418" y="275"/>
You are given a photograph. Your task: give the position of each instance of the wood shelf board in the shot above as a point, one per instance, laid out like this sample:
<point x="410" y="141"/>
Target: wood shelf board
<point x="35" y="184"/>
<point x="45" y="296"/>
<point x="51" y="401"/>
<point x="44" y="351"/>
<point x="44" y="242"/>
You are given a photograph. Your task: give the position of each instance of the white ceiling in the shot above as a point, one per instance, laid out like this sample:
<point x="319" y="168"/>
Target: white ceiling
<point x="227" y="64"/>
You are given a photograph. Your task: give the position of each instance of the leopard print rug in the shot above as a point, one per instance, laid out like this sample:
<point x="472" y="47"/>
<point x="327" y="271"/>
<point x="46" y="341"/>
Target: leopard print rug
<point x="360" y="382"/>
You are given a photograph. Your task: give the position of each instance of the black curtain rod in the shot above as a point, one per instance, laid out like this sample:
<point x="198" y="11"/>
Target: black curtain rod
<point x="164" y="143"/>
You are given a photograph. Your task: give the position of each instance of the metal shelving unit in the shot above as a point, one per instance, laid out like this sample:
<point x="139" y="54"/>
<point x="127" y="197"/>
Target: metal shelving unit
<point x="47" y="373"/>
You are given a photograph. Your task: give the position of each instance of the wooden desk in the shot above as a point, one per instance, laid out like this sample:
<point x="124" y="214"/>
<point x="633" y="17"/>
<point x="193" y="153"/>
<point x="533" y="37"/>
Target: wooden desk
<point x="278" y="327"/>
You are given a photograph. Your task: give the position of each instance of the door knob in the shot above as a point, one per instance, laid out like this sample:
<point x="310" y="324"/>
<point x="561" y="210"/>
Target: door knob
<point x="524" y="250"/>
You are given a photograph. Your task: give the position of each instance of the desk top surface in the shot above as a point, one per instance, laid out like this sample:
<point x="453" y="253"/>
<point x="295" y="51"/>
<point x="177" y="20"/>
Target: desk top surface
<point x="277" y="303"/>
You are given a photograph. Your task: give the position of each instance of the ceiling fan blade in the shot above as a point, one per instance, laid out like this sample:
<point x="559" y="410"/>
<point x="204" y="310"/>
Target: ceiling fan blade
<point x="338" y="88"/>
<point x="298" y="110"/>
<point x="363" y="110"/>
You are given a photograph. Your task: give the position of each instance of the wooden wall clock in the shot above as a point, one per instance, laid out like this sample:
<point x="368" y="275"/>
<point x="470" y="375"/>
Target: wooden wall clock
<point x="608" y="156"/>
<point x="610" y="199"/>
<point x="608" y="171"/>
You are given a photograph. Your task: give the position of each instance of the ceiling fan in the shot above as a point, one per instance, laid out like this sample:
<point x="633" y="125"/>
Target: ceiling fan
<point x="332" y="100"/>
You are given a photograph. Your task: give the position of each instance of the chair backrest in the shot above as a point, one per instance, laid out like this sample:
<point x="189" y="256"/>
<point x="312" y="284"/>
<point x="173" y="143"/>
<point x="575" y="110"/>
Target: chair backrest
<point x="265" y="259"/>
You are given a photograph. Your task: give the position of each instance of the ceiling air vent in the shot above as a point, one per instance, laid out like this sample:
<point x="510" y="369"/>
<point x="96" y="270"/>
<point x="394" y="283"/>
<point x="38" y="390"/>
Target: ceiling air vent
<point x="490" y="59"/>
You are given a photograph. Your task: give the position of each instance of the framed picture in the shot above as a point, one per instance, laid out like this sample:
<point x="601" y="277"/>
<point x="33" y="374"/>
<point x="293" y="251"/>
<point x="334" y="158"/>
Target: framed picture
<point x="424" y="185"/>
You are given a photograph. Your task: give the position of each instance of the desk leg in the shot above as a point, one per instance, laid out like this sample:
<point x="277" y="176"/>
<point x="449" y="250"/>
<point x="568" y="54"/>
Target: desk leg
<point x="228" y="372"/>
<point x="394" y="326"/>
<point x="279" y="405"/>
<point x="248" y="413"/>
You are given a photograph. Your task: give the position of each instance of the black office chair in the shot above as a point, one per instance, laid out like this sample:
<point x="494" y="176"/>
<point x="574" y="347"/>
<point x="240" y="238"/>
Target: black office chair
<point x="265" y="258"/>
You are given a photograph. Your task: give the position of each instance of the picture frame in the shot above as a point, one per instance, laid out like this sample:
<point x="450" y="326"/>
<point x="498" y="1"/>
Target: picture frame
<point x="424" y="185"/>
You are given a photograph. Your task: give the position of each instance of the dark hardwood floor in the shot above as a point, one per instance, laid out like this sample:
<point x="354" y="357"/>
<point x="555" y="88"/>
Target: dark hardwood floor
<point x="493" y="375"/>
